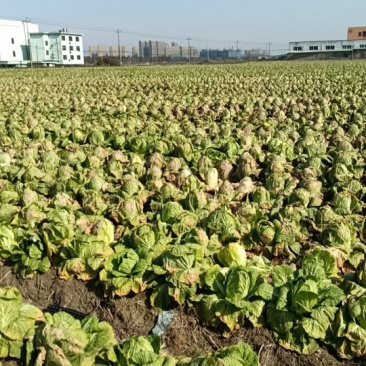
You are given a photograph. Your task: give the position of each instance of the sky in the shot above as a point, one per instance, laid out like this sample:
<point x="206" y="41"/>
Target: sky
<point x="209" y="23"/>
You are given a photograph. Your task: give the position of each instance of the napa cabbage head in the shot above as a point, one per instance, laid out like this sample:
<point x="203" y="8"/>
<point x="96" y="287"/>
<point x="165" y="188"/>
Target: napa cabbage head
<point x="232" y="254"/>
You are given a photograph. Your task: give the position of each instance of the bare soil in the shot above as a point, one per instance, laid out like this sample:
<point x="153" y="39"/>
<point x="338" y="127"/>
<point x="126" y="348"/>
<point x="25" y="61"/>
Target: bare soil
<point x="133" y="316"/>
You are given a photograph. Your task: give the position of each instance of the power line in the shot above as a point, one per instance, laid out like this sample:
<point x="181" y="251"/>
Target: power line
<point x="137" y="33"/>
<point x="105" y="29"/>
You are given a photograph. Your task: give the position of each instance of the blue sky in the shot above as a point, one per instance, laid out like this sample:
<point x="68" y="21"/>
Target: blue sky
<point x="210" y="23"/>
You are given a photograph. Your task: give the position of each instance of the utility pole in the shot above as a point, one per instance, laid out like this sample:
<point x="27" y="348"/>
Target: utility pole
<point x="119" y="47"/>
<point x="269" y="49"/>
<point x="27" y="20"/>
<point x="237" y="49"/>
<point x="189" y="50"/>
<point x="152" y="52"/>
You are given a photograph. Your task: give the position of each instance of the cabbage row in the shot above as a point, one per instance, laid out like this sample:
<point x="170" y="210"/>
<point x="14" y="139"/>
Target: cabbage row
<point x="38" y="338"/>
<point x="238" y="190"/>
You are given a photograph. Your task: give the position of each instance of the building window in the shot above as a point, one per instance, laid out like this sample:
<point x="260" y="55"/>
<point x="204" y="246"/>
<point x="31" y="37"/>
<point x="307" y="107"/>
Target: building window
<point x="12" y="41"/>
<point x="65" y="57"/>
<point x="329" y="47"/>
<point x="359" y="34"/>
<point x="47" y="53"/>
<point x="70" y="38"/>
<point x="71" y="48"/>
<point x="78" y="48"/>
<point x="72" y="57"/>
<point x="347" y="47"/>
<point x="313" y="48"/>
<point x="297" y="48"/>
<point x="362" y="45"/>
<point x="77" y="39"/>
<point x="62" y="38"/>
<point x="46" y="43"/>
<point x="63" y="48"/>
<point x="78" y="57"/>
<point x="364" y="34"/>
<point x="14" y="54"/>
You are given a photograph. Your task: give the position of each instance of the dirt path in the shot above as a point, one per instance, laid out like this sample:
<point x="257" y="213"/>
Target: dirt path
<point x="132" y="316"/>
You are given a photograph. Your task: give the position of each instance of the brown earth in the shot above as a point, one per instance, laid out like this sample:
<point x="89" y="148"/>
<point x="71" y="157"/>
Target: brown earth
<point x="132" y="316"/>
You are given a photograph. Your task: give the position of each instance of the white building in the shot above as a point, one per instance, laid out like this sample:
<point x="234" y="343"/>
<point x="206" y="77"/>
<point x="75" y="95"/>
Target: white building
<point x="59" y="48"/>
<point x="21" y="44"/>
<point x="326" y="46"/>
<point x="14" y="41"/>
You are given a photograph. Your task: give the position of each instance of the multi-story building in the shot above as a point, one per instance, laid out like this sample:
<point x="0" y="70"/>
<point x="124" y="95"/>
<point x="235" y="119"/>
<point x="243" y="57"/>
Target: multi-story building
<point x="188" y="52"/>
<point x="161" y="47"/>
<point x="113" y="51"/>
<point x="221" y="54"/>
<point x="173" y="51"/>
<point x="62" y="48"/>
<point x="151" y="49"/>
<point x="22" y="44"/>
<point x="98" y="51"/>
<point x="356" y="33"/>
<point x="14" y="42"/>
<point x="141" y="48"/>
<point x="134" y="52"/>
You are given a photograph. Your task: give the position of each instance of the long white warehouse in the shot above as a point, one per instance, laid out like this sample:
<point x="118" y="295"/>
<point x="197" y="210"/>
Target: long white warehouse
<point x="326" y="46"/>
<point x="14" y="41"/>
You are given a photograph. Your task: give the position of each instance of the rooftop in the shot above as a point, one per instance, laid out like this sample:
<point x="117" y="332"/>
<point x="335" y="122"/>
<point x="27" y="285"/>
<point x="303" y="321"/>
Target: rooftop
<point x="60" y="32"/>
<point x="334" y="40"/>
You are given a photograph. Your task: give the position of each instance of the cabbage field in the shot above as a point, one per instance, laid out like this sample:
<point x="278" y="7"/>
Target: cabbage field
<point x="233" y="194"/>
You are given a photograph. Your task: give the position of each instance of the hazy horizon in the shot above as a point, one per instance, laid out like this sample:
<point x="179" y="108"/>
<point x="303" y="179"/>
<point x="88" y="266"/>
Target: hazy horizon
<point x="210" y="23"/>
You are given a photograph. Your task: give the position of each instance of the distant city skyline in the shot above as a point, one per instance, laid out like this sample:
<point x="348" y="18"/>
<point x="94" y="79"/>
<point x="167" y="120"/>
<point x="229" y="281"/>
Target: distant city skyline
<point x="209" y="23"/>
